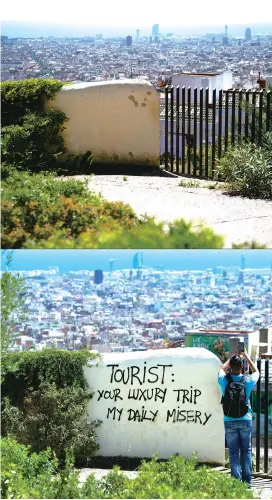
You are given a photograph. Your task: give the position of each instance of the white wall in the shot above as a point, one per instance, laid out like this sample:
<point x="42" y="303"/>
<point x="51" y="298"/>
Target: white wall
<point x="156" y="421"/>
<point x="222" y="81"/>
<point x="117" y="120"/>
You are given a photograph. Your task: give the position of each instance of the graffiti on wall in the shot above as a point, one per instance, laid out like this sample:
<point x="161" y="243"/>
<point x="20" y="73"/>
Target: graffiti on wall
<point x="157" y="380"/>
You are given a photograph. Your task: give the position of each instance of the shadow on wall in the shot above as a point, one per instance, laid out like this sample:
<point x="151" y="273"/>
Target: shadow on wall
<point x="117" y="120"/>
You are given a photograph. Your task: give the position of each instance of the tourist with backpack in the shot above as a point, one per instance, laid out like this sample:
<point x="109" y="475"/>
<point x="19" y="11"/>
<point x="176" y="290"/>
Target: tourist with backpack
<point x="236" y="389"/>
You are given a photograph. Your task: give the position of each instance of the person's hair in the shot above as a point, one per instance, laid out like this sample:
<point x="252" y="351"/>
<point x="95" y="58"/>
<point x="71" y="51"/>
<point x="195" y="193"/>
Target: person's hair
<point x="236" y="363"/>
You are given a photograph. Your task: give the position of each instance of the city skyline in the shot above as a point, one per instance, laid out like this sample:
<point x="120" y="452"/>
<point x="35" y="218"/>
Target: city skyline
<point x="76" y="260"/>
<point x="30" y="28"/>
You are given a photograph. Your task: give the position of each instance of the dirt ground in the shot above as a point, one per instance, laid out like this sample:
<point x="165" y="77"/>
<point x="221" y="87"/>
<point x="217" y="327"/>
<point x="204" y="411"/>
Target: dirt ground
<point x="238" y="219"/>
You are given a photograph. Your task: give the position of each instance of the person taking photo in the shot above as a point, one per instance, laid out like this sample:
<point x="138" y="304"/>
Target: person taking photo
<point x="236" y="389"/>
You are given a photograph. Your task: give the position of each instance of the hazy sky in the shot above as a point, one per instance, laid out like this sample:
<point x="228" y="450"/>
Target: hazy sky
<point x="140" y="13"/>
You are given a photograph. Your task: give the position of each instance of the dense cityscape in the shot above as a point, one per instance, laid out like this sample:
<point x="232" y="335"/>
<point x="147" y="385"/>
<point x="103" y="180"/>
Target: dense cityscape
<point x="139" y="308"/>
<point x="155" y="58"/>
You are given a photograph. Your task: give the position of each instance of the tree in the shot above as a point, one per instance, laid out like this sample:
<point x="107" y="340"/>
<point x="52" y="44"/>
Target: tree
<point x="12" y="300"/>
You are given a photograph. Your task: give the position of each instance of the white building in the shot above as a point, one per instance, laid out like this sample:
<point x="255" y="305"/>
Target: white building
<point x="211" y="81"/>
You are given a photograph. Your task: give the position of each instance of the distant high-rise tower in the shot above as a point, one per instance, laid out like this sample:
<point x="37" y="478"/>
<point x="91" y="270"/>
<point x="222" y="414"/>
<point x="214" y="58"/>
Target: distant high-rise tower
<point x="226" y="36"/>
<point x="248" y="34"/>
<point x="129" y="41"/>
<point x="138" y="260"/>
<point x="138" y="32"/>
<point x="243" y="262"/>
<point x="156" y="30"/>
<point x="111" y="265"/>
<point x="98" y="277"/>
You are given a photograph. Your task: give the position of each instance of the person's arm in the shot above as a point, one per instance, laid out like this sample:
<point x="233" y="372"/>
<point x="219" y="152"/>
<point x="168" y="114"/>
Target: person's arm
<point x="224" y="368"/>
<point x="252" y="365"/>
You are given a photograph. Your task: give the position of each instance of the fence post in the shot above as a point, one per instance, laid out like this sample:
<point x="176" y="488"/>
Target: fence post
<point x="258" y="417"/>
<point x="260" y="116"/>
<point x="166" y="127"/>
<point x="195" y="129"/>
<point x="247" y="115"/>
<point x="189" y="131"/>
<point x="177" y="129"/>
<point x="233" y="113"/>
<point x="220" y="124"/>
<point x="268" y="110"/>
<point x="172" y="128"/>
<point x="207" y="133"/>
<point x="213" y="130"/>
<point x="226" y="120"/>
<point x="240" y="100"/>
<point x="266" y="403"/>
<point x="183" y="128"/>
<point x="253" y="121"/>
<point x="201" y="133"/>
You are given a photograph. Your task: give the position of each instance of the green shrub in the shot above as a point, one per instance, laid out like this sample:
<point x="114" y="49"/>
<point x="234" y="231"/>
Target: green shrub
<point x="26" y="96"/>
<point x="144" y="234"/>
<point x="42" y="211"/>
<point x="249" y="245"/>
<point x="35" y="207"/>
<point x="26" y="475"/>
<point x="24" y="370"/>
<point x="31" y="133"/>
<point x="36" y="144"/>
<point x="30" y="475"/>
<point x="177" y="478"/>
<point x="247" y="171"/>
<point x="53" y="417"/>
<point x="45" y="397"/>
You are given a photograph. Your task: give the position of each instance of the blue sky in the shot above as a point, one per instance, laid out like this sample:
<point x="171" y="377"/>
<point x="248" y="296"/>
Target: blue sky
<point x="140" y="13"/>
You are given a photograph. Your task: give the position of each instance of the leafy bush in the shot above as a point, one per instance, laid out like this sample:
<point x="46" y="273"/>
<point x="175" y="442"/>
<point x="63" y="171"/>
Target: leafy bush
<point x="31" y="134"/>
<point x="36" y="144"/>
<point x="36" y="206"/>
<point x="247" y="170"/>
<point x="26" y="476"/>
<point x="177" y="478"/>
<point x="30" y="475"/>
<point x="55" y="417"/>
<point x="12" y="299"/>
<point x="24" y="370"/>
<point x="249" y="245"/>
<point x="144" y="234"/>
<point x="45" y="397"/>
<point x="26" y="96"/>
<point x="42" y="211"/>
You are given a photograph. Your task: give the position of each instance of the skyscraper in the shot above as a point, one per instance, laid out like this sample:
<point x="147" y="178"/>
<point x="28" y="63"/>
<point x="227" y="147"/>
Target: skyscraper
<point x="138" y="260"/>
<point x="129" y="41"/>
<point x="156" y="30"/>
<point x="225" y="40"/>
<point x="138" y="32"/>
<point x="98" y="277"/>
<point x="248" y="34"/>
<point x="111" y="265"/>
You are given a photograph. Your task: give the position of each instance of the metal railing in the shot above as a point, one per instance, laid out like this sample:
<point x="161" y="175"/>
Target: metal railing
<point x="263" y="400"/>
<point x="200" y="125"/>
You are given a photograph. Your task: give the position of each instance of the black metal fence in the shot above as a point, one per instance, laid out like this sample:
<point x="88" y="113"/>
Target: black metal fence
<point x="261" y="400"/>
<point x="198" y="126"/>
